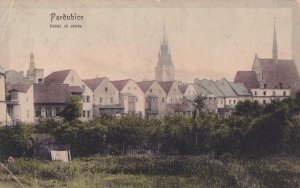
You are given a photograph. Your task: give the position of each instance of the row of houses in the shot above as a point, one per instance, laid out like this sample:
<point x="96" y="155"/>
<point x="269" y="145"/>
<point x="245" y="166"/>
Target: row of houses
<point x="28" y="100"/>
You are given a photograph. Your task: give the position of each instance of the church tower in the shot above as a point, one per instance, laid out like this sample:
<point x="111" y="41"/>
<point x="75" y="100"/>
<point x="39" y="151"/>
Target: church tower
<point x="275" y="48"/>
<point x="165" y="70"/>
<point x="34" y="74"/>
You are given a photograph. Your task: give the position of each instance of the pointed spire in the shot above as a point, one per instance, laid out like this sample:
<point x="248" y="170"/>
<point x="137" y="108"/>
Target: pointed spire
<point x="275" y="49"/>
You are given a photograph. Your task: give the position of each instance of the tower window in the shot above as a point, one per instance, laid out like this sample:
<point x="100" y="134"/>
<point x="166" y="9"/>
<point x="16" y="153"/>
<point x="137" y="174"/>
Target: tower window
<point x="105" y="89"/>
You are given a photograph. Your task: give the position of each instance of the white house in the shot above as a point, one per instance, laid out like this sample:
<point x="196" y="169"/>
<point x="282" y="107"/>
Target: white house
<point x="71" y="78"/>
<point x="106" y="97"/>
<point x="155" y="98"/>
<point x="20" y="102"/>
<point x="263" y="95"/>
<point x="131" y="96"/>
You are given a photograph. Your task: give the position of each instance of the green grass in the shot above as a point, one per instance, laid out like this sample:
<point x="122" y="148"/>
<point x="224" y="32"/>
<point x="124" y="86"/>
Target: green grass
<point x="170" y="171"/>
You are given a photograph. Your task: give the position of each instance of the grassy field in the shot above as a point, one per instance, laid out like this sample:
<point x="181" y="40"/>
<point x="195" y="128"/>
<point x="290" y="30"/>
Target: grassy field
<point x="191" y="171"/>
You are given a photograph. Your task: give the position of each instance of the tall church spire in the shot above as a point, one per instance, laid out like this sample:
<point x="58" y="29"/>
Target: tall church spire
<point x="275" y="49"/>
<point x="165" y="70"/>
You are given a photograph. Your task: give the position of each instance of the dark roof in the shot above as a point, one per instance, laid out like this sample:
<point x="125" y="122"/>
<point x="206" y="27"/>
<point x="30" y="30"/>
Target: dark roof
<point x="24" y="87"/>
<point x="52" y="93"/>
<point x="57" y="77"/>
<point x="284" y="72"/>
<point x="166" y="85"/>
<point x="75" y="89"/>
<point x="183" y="88"/>
<point x="240" y="89"/>
<point x="93" y="83"/>
<point x="248" y="78"/>
<point x="145" y="85"/>
<point x="120" y="84"/>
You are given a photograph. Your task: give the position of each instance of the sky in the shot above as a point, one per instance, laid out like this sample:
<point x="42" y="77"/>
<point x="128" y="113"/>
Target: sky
<point x="121" y="40"/>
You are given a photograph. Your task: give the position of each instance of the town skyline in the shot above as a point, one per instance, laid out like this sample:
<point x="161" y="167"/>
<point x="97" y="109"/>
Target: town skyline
<point x="200" y="48"/>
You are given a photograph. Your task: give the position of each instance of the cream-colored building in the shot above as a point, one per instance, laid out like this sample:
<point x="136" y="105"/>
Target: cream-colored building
<point x="20" y="102"/>
<point x="3" y="115"/>
<point x="264" y="96"/>
<point x="106" y="97"/>
<point x="131" y="96"/>
<point x="71" y="78"/>
<point x="155" y="98"/>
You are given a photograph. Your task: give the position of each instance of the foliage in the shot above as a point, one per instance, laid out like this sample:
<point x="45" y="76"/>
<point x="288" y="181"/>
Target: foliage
<point x="73" y="109"/>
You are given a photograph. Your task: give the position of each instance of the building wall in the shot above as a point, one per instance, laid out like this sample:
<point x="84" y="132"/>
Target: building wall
<point x="156" y="90"/>
<point x="106" y="95"/>
<point x="164" y="73"/>
<point x="266" y="95"/>
<point x="2" y="99"/>
<point x="74" y="80"/>
<point x="133" y="88"/>
<point x="190" y="91"/>
<point x="174" y="96"/>
<point x="26" y="106"/>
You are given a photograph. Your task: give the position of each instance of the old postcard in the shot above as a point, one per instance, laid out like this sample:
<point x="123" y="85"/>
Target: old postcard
<point x="149" y="93"/>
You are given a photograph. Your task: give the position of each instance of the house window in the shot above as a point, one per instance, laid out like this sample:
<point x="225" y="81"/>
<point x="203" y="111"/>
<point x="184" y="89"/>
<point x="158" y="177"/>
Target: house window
<point x="274" y="93"/>
<point x="264" y="101"/>
<point x="154" y="99"/>
<point x="255" y="92"/>
<point x="265" y="85"/>
<point x="163" y="99"/>
<point x="111" y="100"/>
<point x="38" y="112"/>
<point x="284" y="93"/>
<point x="100" y="100"/>
<point x="234" y="101"/>
<point x="150" y="90"/>
<point x="280" y="85"/>
<point x="265" y="93"/>
<point x="105" y="89"/>
<point x="48" y="112"/>
<point x="87" y="98"/>
<point x="83" y="113"/>
<point x="9" y="111"/>
<point x="229" y="101"/>
<point x="88" y="114"/>
<point x="40" y="80"/>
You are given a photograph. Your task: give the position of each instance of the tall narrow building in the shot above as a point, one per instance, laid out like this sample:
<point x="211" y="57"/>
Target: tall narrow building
<point x="165" y="70"/>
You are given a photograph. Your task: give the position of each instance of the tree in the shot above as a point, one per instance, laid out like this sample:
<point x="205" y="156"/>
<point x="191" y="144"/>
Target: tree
<point x="73" y="109"/>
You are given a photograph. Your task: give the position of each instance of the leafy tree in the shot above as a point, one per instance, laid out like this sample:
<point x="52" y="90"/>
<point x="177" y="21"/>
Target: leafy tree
<point x="73" y="109"/>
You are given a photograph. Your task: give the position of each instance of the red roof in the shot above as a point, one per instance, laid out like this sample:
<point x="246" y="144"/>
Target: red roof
<point x="166" y="85"/>
<point x="57" y="77"/>
<point x="93" y="83"/>
<point x="120" y="84"/>
<point x="284" y="72"/>
<point x="51" y="93"/>
<point x="145" y="85"/>
<point x="248" y="78"/>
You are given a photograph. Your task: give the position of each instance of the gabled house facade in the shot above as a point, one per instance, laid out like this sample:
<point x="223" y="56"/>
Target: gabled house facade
<point x="155" y="98"/>
<point x="106" y="97"/>
<point x="71" y="78"/>
<point x="131" y="96"/>
<point x="20" y="102"/>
